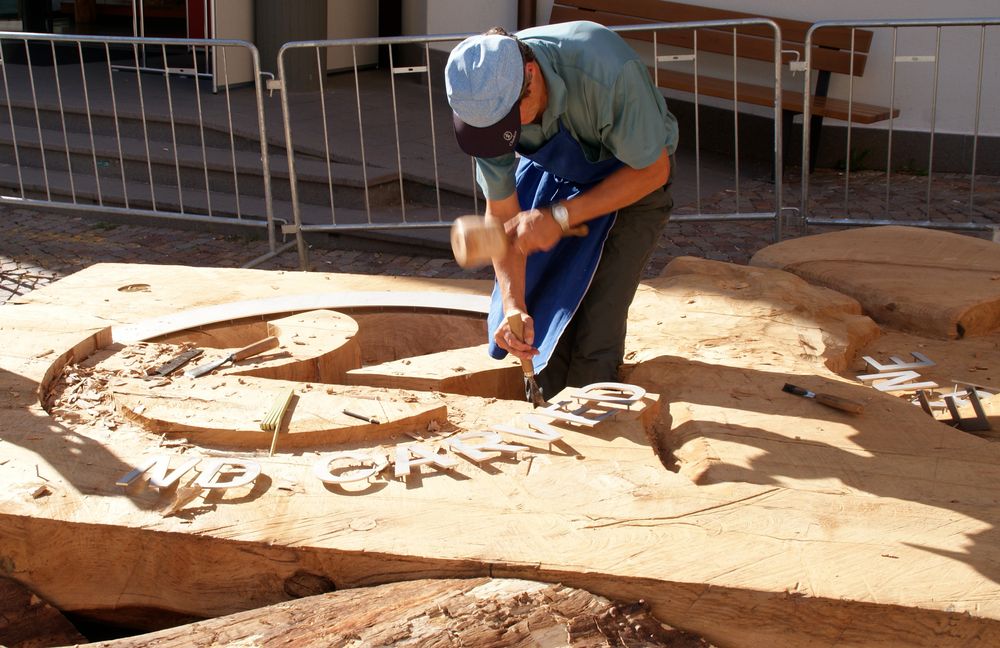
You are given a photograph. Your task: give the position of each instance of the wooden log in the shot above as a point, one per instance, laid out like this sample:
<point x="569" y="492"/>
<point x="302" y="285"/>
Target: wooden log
<point x="922" y="281"/>
<point x="27" y="621"/>
<point x="805" y="528"/>
<point x="477" y="612"/>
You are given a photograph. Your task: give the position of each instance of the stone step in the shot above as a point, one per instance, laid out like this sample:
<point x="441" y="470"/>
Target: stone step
<point x="315" y="177"/>
<point x="423" y="227"/>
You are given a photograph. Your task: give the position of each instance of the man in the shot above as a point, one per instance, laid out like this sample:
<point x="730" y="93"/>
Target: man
<point x="595" y="140"/>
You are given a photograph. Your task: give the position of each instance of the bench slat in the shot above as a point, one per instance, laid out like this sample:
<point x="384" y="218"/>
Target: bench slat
<point x="839" y="50"/>
<point x="663" y="11"/>
<point x="764" y="96"/>
<point x="719" y="41"/>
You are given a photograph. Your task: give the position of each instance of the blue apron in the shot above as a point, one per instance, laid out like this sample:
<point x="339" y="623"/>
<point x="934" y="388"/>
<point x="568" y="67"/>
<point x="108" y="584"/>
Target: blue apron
<point x="557" y="280"/>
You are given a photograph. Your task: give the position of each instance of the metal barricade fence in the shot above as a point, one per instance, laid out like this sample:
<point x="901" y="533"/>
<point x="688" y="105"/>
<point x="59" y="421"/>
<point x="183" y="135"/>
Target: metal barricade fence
<point x="940" y="207"/>
<point x="90" y="124"/>
<point x="388" y="160"/>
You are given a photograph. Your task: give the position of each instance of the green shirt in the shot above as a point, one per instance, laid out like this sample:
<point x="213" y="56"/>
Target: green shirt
<point x="601" y="90"/>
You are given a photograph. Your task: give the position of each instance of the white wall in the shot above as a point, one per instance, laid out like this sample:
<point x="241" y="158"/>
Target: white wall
<point x="351" y="19"/>
<point x="914" y="81"/>
<point x="463" y="16"/>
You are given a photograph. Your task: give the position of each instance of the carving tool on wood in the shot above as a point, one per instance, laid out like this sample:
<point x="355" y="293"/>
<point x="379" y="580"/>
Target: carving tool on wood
<point x="175" y="363"/>
<point x="276" y="417"/>
<point x="836" y="402"/>
<point x="475" y="241"/>
<point x="251" y="350"/>
<point x="367" y="419"/>
<point x="527" y="366"/>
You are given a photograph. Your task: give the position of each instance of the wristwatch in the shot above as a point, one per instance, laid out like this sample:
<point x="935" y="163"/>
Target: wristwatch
<point x="561" y="216"/>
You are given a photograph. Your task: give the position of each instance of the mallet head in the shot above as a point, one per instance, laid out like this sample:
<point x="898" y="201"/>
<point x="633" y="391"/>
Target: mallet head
<point x="475" y="242"/>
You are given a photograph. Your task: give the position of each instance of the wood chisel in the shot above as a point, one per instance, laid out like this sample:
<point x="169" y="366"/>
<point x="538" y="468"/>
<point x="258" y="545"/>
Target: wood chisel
<point x="240" y="354"/>
<point x="175" y="363"/>
<point x="836" y="402"/>
<point x="527" y="366"/>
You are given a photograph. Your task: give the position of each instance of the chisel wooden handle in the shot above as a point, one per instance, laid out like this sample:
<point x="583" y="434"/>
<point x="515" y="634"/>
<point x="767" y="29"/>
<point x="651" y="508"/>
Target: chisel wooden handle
<point x="843" y="404"/>
<point x="516" y="325"/>
<point x="257" y="347"/>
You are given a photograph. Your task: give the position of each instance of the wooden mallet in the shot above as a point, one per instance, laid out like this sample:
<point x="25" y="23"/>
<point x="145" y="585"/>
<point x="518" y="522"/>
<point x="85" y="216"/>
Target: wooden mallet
<point x="475" y="241"/>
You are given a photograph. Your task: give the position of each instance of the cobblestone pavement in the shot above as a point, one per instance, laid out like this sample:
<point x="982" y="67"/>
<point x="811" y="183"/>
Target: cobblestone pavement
<point x="40" y="246"/>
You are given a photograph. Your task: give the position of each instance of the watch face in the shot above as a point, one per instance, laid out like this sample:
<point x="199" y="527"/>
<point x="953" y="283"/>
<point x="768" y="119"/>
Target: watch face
<point x="561" y="216"/>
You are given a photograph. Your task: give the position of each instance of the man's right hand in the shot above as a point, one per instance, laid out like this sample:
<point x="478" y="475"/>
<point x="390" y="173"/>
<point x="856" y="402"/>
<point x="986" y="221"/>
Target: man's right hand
<point x="533" y="230"/>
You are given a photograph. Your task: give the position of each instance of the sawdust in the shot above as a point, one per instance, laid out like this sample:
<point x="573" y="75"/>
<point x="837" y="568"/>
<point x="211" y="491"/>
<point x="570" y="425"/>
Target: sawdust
<point x="81" y="394"/>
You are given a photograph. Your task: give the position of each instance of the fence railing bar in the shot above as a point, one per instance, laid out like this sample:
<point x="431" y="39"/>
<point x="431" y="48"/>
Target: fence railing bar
<point x="736" y="121"/>
<point x="60" y="112"/>
<point x="863" y="222"/>
<point x="90" y="123"/>
<point x="430" y="107"/>
<point x="361" y="130"/>
<point x="414" y="225"/>
<point x="934" y="104"/>
<point x="201" y="124"/>
<point x="697" y="128"/>
<point x="229" y="121"/>
<point x="38" y="119"/>
<point x="894" y="26"/>
<point x="114" y="117"/>
<point x="850" y="125"/>
<point x="62" y="121"/>
<point x="290" y="157"/>
<point x="892" y="121"/>
<point x="13" y="127"/>
<point x="979" y="107"/>
<point x="399" y="151"/>
<point x="265" y="160"/>
<point x="132" y="211"/>
<point x="320" y="77"/>
<point x="779" y="151"/>
<point x="145" y="127"/>
<point x="173" y="128"/>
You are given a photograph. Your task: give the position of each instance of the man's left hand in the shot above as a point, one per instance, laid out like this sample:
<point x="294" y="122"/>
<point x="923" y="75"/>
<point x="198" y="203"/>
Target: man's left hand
<point x="533" y="230"/>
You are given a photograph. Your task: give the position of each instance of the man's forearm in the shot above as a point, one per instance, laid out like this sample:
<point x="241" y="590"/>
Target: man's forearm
<point x="620" y="189"/>
<point x="510" y="269"/>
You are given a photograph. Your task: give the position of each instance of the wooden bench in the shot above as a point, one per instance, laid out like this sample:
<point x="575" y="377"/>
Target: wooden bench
<point x="831" y="53"/>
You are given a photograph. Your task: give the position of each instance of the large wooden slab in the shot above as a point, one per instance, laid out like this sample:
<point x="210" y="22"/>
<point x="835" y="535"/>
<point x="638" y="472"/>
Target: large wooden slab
<point x="923" y="281"/>
<point x="745" y="514"/>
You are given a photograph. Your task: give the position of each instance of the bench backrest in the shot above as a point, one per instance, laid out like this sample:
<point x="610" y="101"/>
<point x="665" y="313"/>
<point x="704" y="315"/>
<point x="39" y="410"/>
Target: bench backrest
<point x="831" y="51"/>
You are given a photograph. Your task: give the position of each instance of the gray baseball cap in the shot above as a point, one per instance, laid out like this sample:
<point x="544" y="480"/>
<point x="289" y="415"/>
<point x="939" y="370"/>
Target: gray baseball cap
<point x="484" y="78"/>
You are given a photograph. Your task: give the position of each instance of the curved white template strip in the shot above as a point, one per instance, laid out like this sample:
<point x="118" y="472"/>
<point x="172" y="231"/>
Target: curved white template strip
<point x="157" y="326"/>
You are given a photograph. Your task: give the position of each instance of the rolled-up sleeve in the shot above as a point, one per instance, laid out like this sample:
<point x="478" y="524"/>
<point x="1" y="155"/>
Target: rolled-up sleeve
<point x="496" y="176"/>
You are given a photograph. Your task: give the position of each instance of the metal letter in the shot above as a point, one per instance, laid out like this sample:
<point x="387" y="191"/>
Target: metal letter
<point x="212" y="469"/>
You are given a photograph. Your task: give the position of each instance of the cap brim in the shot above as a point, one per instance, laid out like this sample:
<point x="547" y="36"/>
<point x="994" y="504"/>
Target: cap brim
<point x="490" y="141"/>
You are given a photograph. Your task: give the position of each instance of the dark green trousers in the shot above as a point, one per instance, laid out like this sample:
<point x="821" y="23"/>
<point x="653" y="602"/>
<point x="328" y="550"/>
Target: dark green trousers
<point x="592" y="347"/>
